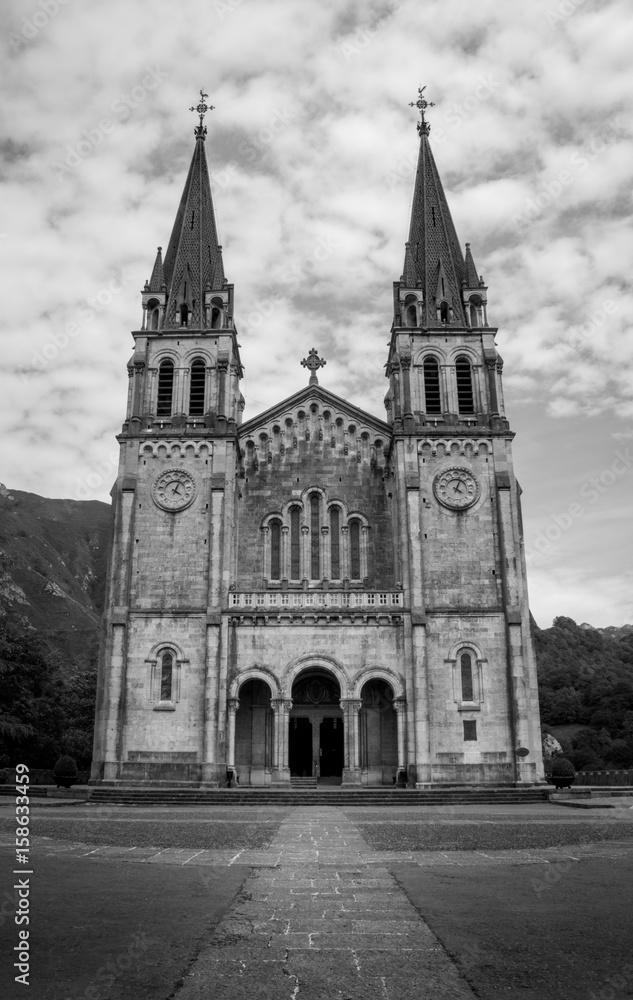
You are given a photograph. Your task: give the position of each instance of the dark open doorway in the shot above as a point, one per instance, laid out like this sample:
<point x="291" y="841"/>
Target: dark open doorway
<point x="331" y="748"/>
<point x="300" y="747"/>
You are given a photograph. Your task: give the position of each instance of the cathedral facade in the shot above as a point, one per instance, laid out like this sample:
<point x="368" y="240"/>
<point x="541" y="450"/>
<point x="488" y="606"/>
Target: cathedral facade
<point x="317" y="593"/>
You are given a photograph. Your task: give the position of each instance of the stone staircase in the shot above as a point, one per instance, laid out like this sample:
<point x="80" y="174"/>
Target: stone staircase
<point x="302" y="796"/>
<point x="300" y="784"/>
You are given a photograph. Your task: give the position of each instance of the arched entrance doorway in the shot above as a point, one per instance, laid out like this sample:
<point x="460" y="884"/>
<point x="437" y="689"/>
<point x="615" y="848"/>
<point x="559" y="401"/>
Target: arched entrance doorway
<point x="254" y="734"/>
<point x="316" y="741"/>
<point x="378" y="733"/>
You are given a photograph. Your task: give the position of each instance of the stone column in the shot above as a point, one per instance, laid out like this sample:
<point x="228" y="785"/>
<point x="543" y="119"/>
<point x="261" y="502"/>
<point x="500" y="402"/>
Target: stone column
<point x="405" y="365"/>
<point x="223" y="367"/>
<point x="364" y="546"/>
<point x="149" y="401"/>
<point x="208" y="374"/>
<point x="305" y="552"/>
<point x="114" y="697"/>
<point x="448" y="396"/>
<point x="232" y="706"/>
<point x="210" y="766"/>
<point x="266" y="563"/>
<point x="479" y="394"/>
<point x="499" y="383"/>
<point x="281" y="770"/>
<point x="400" y="707"/>
<point x="137" y="400"/>
<point x="351" y="763"/>
<point x="326" y="561"/>
<point x="316" y="721"/>
<point x="285" y="552"/>
<point x="344" y="552"/>
<point x="491" y="365"/>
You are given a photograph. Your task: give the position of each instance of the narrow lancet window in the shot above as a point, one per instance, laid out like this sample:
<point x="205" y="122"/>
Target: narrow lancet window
<point x="295" y="546"/>
<point x="335" y="543"/>
<point x="165" y="388"/>
<point x="166" y="676"/>
<point x="275" y="550"/>
<point x="196" y="388"/>
<point x="465" y="400"/>
<point x="467" y="677"/>
<point x="354" y="544"/>
<point x="432" y="400"/>
<point x="315" y="539"/>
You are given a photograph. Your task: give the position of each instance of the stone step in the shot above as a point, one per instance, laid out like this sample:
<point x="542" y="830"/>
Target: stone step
<point x="316" y="796"/>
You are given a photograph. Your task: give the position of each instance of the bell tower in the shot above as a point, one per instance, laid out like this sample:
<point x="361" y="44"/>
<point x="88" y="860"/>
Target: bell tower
<point x="161" y="698"/>
<point x="460" y="544"/>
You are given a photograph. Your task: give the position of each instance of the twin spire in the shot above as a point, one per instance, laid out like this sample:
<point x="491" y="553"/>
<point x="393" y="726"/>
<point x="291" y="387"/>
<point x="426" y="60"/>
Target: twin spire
<point x="193" y="268"/>
<point x="433" y="259"/>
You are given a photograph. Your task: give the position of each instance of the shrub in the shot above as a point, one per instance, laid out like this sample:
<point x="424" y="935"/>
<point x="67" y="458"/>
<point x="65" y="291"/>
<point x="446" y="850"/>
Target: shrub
<point x="562" y="767"/>
<point x="65" y="767"/>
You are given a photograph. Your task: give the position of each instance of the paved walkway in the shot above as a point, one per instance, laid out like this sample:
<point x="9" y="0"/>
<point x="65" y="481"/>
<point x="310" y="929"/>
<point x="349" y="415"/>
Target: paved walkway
<point x="323" y="925"/>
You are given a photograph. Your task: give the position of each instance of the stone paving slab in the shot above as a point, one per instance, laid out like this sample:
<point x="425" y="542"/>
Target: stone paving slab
<point x="311" y="931"/>
<point x="275" y="859"/>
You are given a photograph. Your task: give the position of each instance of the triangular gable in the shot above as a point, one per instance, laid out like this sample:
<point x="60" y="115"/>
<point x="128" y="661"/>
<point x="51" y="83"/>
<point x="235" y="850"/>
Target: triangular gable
<point x="306" y="396"/>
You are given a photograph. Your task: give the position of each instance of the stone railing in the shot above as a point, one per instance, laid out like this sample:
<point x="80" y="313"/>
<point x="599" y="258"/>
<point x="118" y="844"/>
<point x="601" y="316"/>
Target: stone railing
<point x="327" y="600"/>
<point x="622" y="777"/>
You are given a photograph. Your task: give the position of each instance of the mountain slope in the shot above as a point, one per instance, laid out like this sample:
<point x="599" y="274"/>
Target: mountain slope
<point x="53" y="556"/>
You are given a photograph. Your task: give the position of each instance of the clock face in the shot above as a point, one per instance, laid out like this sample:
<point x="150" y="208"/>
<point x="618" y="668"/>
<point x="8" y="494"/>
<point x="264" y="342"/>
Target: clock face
<point x="456" y="488"/>
<point x="174" y="489"/>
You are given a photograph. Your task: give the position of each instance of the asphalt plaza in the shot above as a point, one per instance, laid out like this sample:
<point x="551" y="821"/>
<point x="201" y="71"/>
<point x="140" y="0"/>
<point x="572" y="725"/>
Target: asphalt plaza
<point x="326" y="902"/>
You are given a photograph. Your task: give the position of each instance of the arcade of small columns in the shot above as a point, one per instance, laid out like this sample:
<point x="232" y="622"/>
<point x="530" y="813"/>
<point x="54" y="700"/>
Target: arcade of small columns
<point x="350" y="708"/>
<point x="325" y="552"/>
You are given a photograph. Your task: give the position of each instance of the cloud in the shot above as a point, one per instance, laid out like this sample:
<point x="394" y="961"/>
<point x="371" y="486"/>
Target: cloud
<point x="312" y="142"/>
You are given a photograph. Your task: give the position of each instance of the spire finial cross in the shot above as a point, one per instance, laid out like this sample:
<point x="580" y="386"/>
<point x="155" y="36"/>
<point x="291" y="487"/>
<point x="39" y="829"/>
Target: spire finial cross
<point x="422" y="104"/>
<point x="201" y="109"/>
<point x="313" y="362"/>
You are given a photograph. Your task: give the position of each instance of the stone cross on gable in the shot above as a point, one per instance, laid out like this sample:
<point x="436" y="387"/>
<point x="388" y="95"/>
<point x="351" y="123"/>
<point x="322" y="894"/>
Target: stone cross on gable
<point x="313" y="362"/>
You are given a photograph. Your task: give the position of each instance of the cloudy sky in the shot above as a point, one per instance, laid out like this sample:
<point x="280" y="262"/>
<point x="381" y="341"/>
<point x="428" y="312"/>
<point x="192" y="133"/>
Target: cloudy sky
<point x="312" y="148"/>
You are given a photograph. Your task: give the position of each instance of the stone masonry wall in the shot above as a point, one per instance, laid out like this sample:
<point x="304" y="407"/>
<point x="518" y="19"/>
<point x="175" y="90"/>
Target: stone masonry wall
<point x="267" y="486"/>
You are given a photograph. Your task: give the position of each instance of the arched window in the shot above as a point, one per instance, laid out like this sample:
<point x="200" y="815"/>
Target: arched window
<point x="444" y="312"/>
<point x="166" y="675"/>
<point x="354" y="546"/>
<point x="410" y="313"/>
<point x="295" y="544"/>
<point x="165" y="388"/>
<point x="465" y="401"/>
<point x="466" y="668"/>
<point x="275" y="550"/>
<point x="184" y="314"/>
<point x="153" y="320"/>
<point x="196" y="388"/>
<point x="475" y="306"/>
<point x="335" y="543"/>
<point x="216" y="313"/>
<point x="432" y="399"/>
<point x="315" y="537"/>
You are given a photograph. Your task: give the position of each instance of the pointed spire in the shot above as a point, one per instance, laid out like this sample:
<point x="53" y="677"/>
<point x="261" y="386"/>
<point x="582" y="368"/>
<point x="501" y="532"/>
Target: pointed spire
<point x="157" y="280"/>
<point x="471" y="278"/>
<point x="193" y="262"/>
<point x="433" y="256"/>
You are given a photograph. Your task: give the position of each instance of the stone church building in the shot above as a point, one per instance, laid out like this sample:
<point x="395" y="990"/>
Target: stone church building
<point x="316" y="591"/>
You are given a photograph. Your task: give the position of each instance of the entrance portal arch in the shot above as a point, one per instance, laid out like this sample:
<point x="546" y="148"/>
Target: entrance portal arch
<point x="254" y="733"/>
<point x="316" y="743"/>
<point x="378" y="733"/>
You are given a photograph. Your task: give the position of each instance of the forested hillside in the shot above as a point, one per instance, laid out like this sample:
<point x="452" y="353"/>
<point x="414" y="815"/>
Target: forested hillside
<point x="586" y="691"/>
<point x="53" y="557"/>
